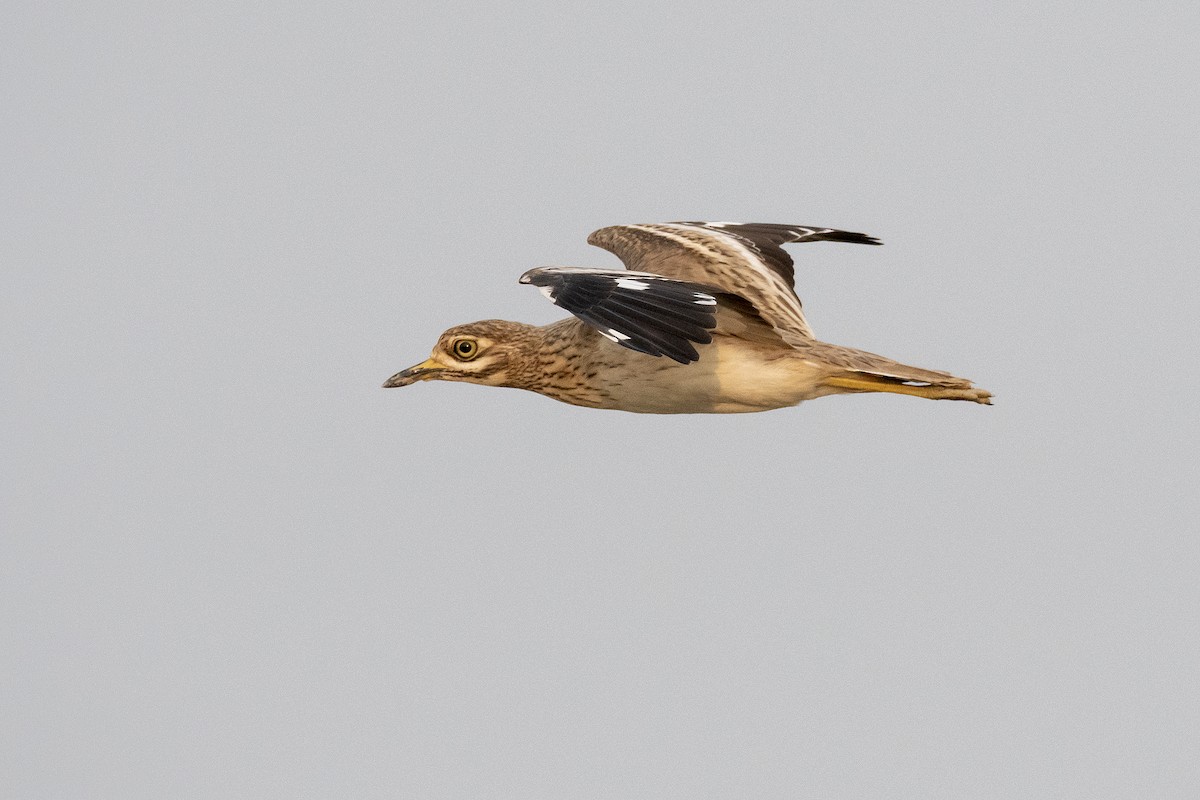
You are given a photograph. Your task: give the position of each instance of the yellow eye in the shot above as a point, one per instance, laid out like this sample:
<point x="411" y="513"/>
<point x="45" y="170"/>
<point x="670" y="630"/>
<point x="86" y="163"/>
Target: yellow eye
<point x="465" y="349"/>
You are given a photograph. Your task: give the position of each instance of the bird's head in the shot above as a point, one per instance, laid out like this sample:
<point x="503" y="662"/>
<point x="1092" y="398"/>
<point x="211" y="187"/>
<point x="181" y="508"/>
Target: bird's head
<point x="484" y="352"/>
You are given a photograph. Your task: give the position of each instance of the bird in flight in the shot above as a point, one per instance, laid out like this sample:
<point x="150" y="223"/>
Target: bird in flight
<point x="704" y="319"/>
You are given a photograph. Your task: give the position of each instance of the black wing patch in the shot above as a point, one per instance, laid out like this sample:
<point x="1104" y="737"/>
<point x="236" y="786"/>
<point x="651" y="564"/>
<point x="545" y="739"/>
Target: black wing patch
<point x="647" y="313"/>
<point x="765" y="240"/>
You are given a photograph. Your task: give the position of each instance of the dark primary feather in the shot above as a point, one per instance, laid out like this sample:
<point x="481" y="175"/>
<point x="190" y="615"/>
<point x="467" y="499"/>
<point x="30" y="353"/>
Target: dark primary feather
<point x="647" y="313"/>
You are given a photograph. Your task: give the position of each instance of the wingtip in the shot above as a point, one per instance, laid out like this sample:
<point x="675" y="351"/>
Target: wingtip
<point x="538" y="276"/>
<point x="853" y="237"/>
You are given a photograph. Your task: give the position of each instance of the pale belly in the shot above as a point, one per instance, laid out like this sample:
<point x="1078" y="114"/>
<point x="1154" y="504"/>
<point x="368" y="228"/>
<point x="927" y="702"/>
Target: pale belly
<point x="730" y="377"/>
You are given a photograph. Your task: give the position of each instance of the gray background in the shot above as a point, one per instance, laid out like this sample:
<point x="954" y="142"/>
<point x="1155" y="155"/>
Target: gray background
<point x="233" y="566"/>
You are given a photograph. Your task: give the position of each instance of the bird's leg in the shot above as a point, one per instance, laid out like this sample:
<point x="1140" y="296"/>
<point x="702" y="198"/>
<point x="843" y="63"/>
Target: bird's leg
<point x="872" y="383"/>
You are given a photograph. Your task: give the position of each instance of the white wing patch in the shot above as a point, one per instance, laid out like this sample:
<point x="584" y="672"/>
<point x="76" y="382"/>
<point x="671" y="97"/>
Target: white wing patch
<point x="629" y="283"/>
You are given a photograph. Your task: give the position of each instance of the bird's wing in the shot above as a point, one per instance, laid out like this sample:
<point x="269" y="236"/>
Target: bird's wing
<point x="644" y="312"/>
<point x="746" y="259"/>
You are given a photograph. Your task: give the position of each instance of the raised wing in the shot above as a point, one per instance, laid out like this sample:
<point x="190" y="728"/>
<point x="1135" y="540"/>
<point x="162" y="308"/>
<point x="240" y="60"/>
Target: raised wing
<point x="746" y="259"/>
<point x="644" y="312"/>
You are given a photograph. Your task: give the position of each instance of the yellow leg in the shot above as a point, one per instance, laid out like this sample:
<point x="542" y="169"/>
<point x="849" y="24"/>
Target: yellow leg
<point x="870" y="383"/>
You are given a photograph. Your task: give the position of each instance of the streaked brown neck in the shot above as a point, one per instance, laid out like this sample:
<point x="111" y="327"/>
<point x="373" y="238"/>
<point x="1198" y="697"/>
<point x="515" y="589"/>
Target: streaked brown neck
<point x="550" y="360"/>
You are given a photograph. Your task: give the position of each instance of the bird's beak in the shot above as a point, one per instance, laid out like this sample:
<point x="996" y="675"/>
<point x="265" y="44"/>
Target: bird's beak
<point x="421" y="372"/>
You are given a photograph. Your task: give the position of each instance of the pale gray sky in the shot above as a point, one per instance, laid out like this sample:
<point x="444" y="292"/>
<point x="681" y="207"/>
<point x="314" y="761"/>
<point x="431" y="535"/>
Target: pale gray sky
<point x="232" y="566"/>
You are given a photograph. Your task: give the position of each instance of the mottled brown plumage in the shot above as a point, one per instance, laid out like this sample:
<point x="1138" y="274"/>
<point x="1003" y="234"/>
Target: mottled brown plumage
<point x="759" y="354"/>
